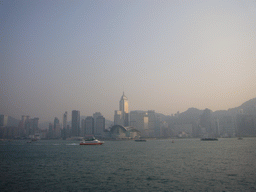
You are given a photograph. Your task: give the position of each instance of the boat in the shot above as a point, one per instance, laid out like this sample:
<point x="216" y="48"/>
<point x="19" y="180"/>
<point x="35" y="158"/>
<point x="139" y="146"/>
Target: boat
<point x="140" y="140"/>
<point x="92" y="141"/>
<point x="240" y="138"/>
<point x="209" y="139"/>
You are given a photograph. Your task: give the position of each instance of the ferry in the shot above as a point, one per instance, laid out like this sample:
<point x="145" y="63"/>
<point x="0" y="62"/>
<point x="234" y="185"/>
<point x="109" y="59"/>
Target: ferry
<point x="140" y="140"/>
<point x="92" y="141"/>
<point x="209" y="139"/>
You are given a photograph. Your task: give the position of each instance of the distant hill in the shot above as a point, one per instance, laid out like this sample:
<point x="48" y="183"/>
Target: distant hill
<point x="248" y="107"/>
<point x="192" y="114"/>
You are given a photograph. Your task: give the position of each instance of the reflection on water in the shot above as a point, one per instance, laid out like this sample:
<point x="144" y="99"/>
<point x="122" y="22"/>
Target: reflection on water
<point x="155" y="165"/>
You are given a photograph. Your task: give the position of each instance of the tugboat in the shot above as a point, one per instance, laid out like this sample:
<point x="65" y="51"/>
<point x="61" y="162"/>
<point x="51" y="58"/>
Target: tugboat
<point x="91" y="141"/>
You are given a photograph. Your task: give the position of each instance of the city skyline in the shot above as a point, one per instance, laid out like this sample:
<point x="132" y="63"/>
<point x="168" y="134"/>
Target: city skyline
<point x="165" y="56"/>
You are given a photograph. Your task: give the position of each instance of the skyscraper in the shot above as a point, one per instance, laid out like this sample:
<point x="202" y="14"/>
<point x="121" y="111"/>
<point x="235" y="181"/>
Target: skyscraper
<point x="34" y="126"/>
<point x="118" y="118"/>
<point x="89" y="126"/>
<point x="56" y="121"/>
<point x="99" y="127"/>
<point x="56" y="128"/>
<point x="3" y="120"/>
<point x="22" y="125"/>
<point x="75" y="123"/>
<point x="122" y="116"/>
<point x="151" y="122"/>
<point x="65" y="120"/>
<point x="95" y="116"/>
<point x="139" y="120"/>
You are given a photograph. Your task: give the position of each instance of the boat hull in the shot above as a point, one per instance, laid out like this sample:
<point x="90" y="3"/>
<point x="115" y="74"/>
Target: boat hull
<point x="209" y="139"/>
<point x="91" y="143"/>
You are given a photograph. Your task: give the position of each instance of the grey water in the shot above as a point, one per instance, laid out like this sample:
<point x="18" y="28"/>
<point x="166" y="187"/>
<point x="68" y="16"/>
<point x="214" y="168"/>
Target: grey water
<point x="156" y="165"/>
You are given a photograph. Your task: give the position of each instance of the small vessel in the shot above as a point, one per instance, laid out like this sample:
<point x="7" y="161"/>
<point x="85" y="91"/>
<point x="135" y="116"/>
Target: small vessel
<point x="209" y="139"/>
<point x="91" y="141"/>
<point x="240" y="138"/>
<point x="140" y="140"/>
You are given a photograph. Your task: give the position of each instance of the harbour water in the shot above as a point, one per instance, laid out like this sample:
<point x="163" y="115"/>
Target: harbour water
<point x="228" y="164"/>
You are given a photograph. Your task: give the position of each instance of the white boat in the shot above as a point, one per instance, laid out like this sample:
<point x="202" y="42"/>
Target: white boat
<point x="92" y="141"/>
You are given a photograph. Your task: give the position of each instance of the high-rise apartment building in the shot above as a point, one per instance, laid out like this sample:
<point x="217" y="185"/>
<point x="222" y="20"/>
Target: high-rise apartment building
<point x="89" y="126"/>
<point x="118" y="118"/>
<point x="75" y="123"/>
<point x="65" y="120"/>
<point x="56" y="128"/>
<point x="23" y="125"/>
<point x="3" y="120"/>
<point x="82" y="132"/>
<point x="34" y="126"/>
<point x="99" y="127"/>
<point x="152" y="123"/>
<point x="56" y="121"/>
<point x="140" y="120"/>
<point x="95" y="116"/>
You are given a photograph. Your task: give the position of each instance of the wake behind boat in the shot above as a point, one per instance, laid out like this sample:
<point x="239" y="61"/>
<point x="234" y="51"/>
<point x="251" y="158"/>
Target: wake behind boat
<point x="92" y="141"/>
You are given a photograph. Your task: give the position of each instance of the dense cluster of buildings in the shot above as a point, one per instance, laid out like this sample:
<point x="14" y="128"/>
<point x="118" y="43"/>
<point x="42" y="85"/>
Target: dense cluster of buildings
<point x="144" y="123"/>
<point x="134" y="124"/>
<point x="27" y="127"/>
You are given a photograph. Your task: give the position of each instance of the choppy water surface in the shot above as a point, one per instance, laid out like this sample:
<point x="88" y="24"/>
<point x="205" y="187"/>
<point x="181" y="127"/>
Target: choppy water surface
<point x="155" y="165"/>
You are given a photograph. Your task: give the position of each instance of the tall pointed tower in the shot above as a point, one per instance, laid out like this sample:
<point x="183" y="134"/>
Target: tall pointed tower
<point x="123" y="107"/>
<point x="122" y="116"/>
<point x="123" y="104"/>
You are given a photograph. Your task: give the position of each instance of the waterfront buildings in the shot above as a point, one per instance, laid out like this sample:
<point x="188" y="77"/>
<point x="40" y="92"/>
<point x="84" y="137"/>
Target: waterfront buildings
<point x="146" y="122"/>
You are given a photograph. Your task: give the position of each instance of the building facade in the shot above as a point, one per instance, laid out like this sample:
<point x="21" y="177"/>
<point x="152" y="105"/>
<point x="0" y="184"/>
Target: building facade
<point x="140" y="121"/>
<point x="75" y="123"/>
<point x="65" y="120"/>
<point x="99" y="126"/>
<point x="89" y="126"/>
<point x="3" y="120"/>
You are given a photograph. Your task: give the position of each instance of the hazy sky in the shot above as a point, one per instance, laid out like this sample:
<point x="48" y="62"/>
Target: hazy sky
<point x="166" y="56"/>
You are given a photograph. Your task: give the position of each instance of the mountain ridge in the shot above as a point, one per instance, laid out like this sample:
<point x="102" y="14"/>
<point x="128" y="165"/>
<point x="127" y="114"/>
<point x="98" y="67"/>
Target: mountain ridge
<point x="248" y="107"/>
